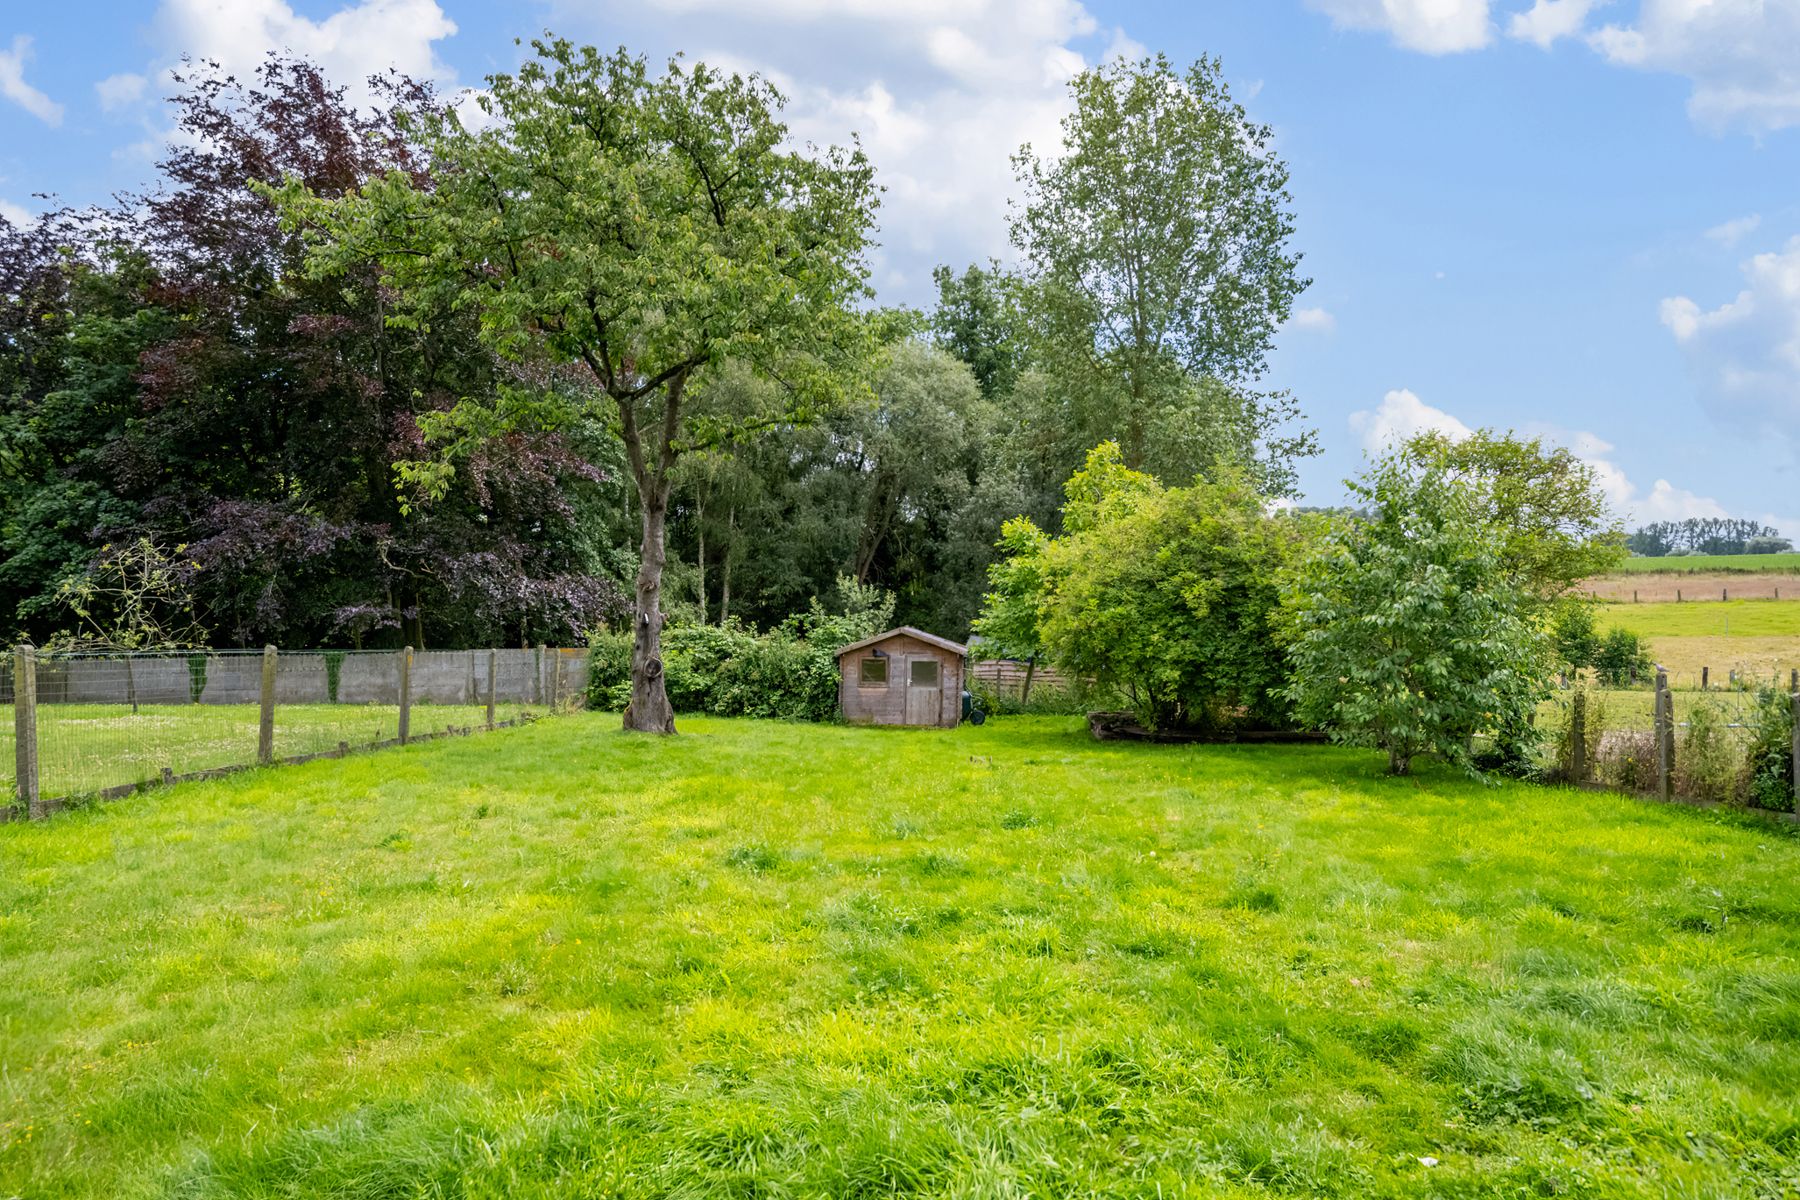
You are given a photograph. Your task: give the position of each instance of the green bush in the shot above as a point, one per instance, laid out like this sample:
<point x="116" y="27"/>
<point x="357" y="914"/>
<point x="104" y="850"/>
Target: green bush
<point x="1770" y="761"/>
<point x="1707" y="764"/>
<point x="1572" y="633"/>
<point x="1622" y="658"/>
<point x="789" y="673"/>
<point x="1165" y="596"/>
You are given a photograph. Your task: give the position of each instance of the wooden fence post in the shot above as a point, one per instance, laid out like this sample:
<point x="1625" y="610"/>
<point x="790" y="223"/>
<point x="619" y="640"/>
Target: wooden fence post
<point x="1634" y="598"/>
<point x="25" y="743"/>
<point x="537" y="671"/>
<point x="1577" y="737"/>
<point x="1678" y="595"/>
<point x="1796" y="703"/>
<point x="1705" y="679"/>
<point x="265" y="730"/>
<point x="405" y="694"/>
<point x="1724" y="593"/>
<point x="493" y="676"/>
<point x="1665" y="737"/>
<point x="555" y="656"/>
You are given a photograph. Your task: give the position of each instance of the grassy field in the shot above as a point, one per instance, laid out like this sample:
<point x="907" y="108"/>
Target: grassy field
<point x="766" y="960"/>
<point x="1759" y="639"/>
<point x="1732" y="618"/>
<point x="1703" y="563"/>
<point x="86" y="747"/>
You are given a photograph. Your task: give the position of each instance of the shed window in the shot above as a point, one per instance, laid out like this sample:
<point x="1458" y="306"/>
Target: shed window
<point x="873" y="672"/>
<point x="925" y="672"/>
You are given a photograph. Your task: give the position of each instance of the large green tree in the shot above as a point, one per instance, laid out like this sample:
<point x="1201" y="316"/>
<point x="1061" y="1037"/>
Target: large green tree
<point x="651" y="227"/>
<point x="1157" y="248"/>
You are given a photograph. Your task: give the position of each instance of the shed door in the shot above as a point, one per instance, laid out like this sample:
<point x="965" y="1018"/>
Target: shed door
<point x="924" y="691"/>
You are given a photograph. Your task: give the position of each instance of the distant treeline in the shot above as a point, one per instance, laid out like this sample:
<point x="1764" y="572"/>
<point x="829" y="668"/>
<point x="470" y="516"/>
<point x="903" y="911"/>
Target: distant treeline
<point x="1707" y="535"/>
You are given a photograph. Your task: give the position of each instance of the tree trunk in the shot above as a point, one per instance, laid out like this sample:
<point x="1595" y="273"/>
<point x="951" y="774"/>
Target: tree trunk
<point x="725" y="568"/>
<point x="700" y="531"/>
<point x="1399" y="761"/>
<point x="649" y="710"/>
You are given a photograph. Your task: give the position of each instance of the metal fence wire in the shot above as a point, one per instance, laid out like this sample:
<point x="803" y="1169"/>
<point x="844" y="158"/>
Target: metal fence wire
<point x="106" y="723"/>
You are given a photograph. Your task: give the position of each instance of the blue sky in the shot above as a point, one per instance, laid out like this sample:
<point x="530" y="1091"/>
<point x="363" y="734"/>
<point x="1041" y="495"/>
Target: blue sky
<point x="1569" y="217"/>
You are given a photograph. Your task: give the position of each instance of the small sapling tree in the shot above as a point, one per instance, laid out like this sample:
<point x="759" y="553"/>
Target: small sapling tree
<point x="1409" y="631"/>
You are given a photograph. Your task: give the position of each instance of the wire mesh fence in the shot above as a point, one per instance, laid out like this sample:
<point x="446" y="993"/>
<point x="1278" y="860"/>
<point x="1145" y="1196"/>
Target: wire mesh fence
<point x="1736" y="744"/>
<point x="101" y="723"/>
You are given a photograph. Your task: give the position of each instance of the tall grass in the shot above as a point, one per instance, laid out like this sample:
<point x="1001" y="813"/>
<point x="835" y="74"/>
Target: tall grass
<point x="778" y="960"/>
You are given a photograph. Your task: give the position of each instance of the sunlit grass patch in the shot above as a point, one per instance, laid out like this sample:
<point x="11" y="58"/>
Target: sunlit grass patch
<point x="781" y="959"/>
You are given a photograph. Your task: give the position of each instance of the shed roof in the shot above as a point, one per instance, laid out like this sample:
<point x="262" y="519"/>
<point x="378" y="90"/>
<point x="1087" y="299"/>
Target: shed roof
<point x="908" y="631"/>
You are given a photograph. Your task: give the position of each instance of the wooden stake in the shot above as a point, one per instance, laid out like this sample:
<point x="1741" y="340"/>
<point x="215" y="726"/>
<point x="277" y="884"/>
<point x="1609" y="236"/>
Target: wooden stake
<point x="25" y="742"/>
<point x="1665" y="737"/>
<point x="405" y="694"/>
<point x="493" y="675"/>
<point x="265" y="730"/>
<point x="1796" y="703"/>
<point x="1578" y="737"/>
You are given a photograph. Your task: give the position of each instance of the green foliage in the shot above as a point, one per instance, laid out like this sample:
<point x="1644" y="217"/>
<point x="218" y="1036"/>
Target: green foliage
<point x="135" y="595"/>
<point x="1409" y="630"/>
<point x="1573" y="635"/>
<point x="1164" y="596"/>
<point x="1622" y="657"/>
<point x="789" y="673"/>
<point x="1157" y="248"/>
<point x="334" y="669"/>
<point x="976" y="319"/>
<point x="1009" y="618"/>
<point x="1708" y="765"/>
<point x="196" y="665"/>
<point x="1769" y="764"/>
<point x="1541" y="500"/>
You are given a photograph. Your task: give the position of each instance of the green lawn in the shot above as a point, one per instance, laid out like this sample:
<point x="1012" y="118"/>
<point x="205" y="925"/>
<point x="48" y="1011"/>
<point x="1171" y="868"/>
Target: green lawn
<point x="1690" y="564"/>
<point x="780" y="960"/>
<point x="83" y="748"/>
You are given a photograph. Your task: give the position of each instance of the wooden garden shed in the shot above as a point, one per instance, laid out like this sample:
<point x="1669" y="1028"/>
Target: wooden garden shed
<point x="902" y="677"/>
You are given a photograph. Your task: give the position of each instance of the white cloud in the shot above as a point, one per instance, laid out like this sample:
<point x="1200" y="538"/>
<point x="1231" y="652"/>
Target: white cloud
<point x="1742" y="56"/>
<point x="1731" y="232"/>
<point x="16" y="214"/>
<point x="1315" y="320"/>
<point x="120" y="91"/>
<point x="14" y="87"/>
<point x="1746" y="352"/>
<point x="941" y="93"/>
<point x="1402" y="415"/>
<point x="1663" y="502"/>
<point x="1428" y="26"/>
<point x="351" y="44"/>
<point x="1549" y="21"/>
